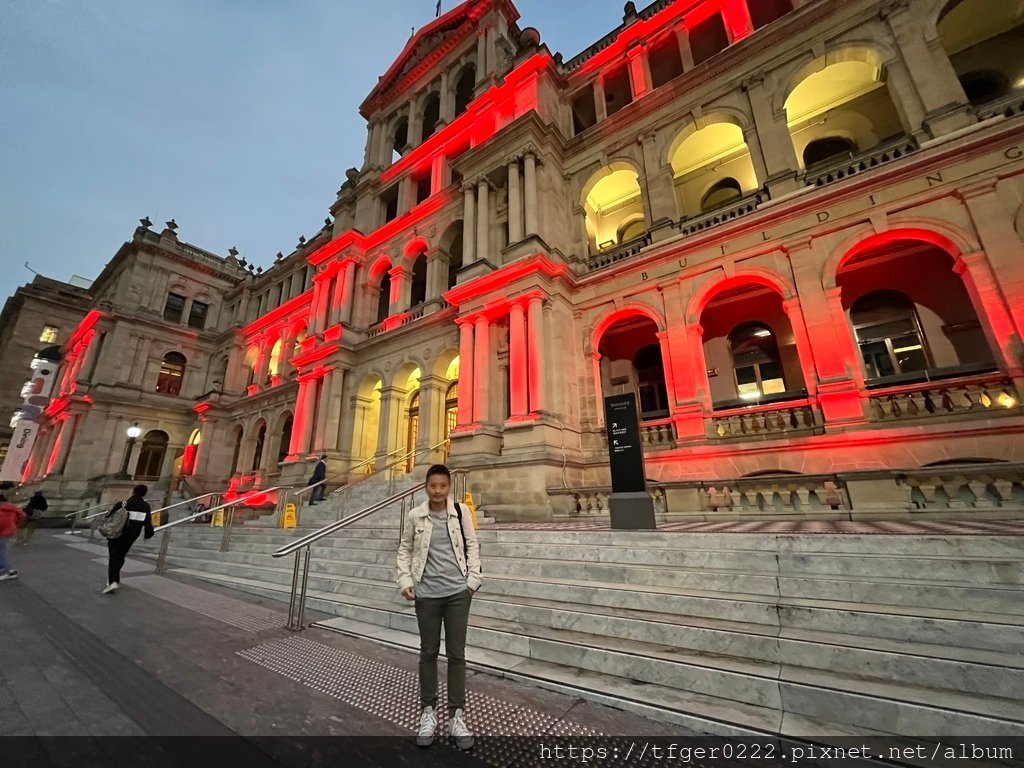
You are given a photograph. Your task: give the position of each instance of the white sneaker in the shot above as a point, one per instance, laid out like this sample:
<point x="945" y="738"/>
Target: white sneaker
<point x="111" y="587"/>
<point x="458" y="731"/>
<point x="428" y="724"/>
<point x="8" y="575"/>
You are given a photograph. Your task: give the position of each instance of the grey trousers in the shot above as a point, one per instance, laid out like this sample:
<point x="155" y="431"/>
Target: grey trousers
<point x="454" y="613"/>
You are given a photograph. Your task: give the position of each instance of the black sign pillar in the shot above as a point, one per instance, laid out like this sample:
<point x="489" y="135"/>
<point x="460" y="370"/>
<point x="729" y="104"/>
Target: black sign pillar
<point x="631" y="506"/>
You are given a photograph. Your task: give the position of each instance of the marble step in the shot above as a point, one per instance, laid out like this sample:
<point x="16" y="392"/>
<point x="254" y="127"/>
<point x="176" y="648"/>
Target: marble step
<point x="764" y="692"/>
<point x="938" y="667"/>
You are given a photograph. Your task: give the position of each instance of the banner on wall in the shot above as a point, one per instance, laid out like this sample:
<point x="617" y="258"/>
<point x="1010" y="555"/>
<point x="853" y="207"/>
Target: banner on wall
<point x="19" y="451"/>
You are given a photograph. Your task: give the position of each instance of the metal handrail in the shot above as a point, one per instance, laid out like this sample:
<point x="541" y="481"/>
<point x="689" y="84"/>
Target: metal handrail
<point x="165" y="541"/>
<point x="187" y="501"/>
<point x="87" y="509"/>
<point x="371" y="474"/>
<point x="297" y="600"/>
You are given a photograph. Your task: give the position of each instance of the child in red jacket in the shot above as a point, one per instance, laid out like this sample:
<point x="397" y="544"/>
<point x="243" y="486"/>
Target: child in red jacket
<point x="10" y="518"/>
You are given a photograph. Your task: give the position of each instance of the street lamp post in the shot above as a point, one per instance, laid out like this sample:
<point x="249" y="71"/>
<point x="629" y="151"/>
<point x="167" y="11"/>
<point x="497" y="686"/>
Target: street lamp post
<point x="133" y="433"/>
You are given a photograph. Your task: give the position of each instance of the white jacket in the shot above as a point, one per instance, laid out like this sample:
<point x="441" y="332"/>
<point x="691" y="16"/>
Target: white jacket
<point x="415" y="544"/>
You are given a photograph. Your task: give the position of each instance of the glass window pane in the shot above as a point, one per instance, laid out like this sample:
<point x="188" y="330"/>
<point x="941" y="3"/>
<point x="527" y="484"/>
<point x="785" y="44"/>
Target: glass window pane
<point x="876" y="359"/>
<point x="174" y="307"/>
<point x="197" y="315"/>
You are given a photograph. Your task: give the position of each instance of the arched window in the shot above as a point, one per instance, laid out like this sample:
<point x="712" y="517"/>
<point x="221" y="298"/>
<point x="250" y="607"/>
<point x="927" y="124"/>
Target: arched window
<point x="755" y="361"/>
<point x="286" y="439"/>
<point x="650" y="380"/>
<point x="151" y="455"/>
<point x="418" y="293"/>
<point x="889" y="334"/>
<point x="455" y="257"/>
<point x="251" y="358"/>
<point x="237" y="449"/>
<point x="632" y="230"/>
<point x="828" y="148"/>
<point x="400" y="139"/>
<point x="384" y="298"/>
<point x="721" y="192"/>
<point x="188" y="461"/>
<point x="982" y="86"/>
<point x="464" y="89"/>
<point x="274" y="366"/>
<point x="172" y="370"/>
<point x="414" y="429"/>
<point x="261" y="438"/>
<point x="431" y="114"/>
<point x="299" y="338"/>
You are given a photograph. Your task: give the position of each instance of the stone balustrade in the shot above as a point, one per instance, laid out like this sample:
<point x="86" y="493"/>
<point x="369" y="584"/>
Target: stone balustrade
<point x="978" y="394"/>
<point x="872" y="158"/>
<point x="973" y="488"/>
<point x="758" y="420"/>
<point x="593" y="501"/>
<point x="776" y="494"/>
<point x="657" y="435"/>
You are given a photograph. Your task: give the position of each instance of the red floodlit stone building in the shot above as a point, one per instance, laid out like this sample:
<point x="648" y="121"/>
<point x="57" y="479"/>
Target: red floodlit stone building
<point x="792" y="227"/>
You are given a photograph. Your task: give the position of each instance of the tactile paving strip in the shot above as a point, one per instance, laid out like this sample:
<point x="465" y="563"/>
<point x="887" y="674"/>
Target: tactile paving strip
<point x="392" y="693"/>
<point x="237" y="613"/>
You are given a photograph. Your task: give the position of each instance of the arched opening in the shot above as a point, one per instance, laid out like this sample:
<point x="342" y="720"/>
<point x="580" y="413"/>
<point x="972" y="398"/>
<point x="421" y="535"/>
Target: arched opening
<point x="846" y="99"/>
<point x="261" y="439"/>
<point x="721" y="193"/>
<point x="828" y="149"/>
<point x="451" y="403"/>
<point x="151" y="455"/>
<point x="366" y="421"/>
<point x="172" y="371"/>
<point x="286" y="438"/>
<point x="749" y="347"/>
<point x="237" y="450"/>
<point x="632" y="230"/>
<point x="274" y="366"/>
<point x="188" y="459"/>
<point x="983" y="41"/>
<point x="631" y="362"/>
<point x="464" y="88"/>
<point x="251" y="361"/>
<point x="710" y="168"/>
<point x="399" y="139"/>
<point x="756" y="363"/>
<point x="431" y="114"/>
<point x="611" y="202"/>
<point x="383" y="298"/>
<point x="451" y="246"/>
<point x="413" y="429"/>
<point x="418" y="290"/>
<point x="908" y="328"/>
<point x="300" y="336"/>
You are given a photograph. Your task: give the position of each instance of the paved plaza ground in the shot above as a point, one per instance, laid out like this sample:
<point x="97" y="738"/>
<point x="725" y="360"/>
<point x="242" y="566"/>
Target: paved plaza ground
<point x="169" y="656"/>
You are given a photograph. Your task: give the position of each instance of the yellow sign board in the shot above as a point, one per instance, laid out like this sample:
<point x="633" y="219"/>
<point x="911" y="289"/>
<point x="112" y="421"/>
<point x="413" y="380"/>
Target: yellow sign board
<point x="218" y="519"/>
<point x="288" y="517"/>
<point x="467" y="501"/>
<point x="155" y="518"/>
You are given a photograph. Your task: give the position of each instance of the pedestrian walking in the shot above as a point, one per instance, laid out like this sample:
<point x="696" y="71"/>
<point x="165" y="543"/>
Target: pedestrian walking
<point x="35" y="507"/>
<point x="139" y="519"/>
<point x="439" y="568"/>
<point x="318" y="476"/>
<point x="10" y="517"/>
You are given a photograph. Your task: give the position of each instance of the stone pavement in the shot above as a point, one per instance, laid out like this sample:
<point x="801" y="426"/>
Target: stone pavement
<point x="170" y="657"/>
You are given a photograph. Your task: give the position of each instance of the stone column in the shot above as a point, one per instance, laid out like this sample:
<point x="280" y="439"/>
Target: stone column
<point x="483" y="219"/>
<point x="89" y="360"/>
<point x="302" y="424"/>
<point x="401" y="289"/>
<point x="209" y="428"/>
<point x="537" y="352"/>
<point x="481" y="369"/>
<point x="391" y="400"/>
<point x="337" y="299"/>
<point x="317" y="307"/>
<point x="600" y="105"/>
<point x="934" y="79"/>
<point x="466" y="346"/>
<point x="63" y="445"/>
<point x="481" y="55"/>
<point x="803" y="344"/>
<point x="349" y="283"/>
<point x="685" y="51"/>
<point x="737" y="19"/>
<point x="415" y="123"/>
<point x="432" y="391"/>
<point x="517" y="361"/>
<point x="776" y="143"/>
<point x="595" y="363"/>
<point x="515" y="202"/>
<point x="262" y="367"/>
<point x="468" y="225"/>
<point x="447" y="106"/>
<point x="438" y="168"/>
<point x="756" y="156"/>
<point x="323" y="404"/>
<point x="980" y="281"/>
<point x="530" y="179"/>
<point x="639" y="70"/>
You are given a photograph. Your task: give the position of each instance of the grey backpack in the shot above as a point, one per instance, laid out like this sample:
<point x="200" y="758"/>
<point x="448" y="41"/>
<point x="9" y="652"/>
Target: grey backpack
<point x="113" y="524"/>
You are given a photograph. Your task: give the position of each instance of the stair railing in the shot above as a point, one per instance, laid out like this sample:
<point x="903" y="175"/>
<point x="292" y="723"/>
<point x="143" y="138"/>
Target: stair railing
<point x="74" y="516"/>
<point x="302" y="548"/>
<point x="346" y="490"/>
<point x="229" y="517"/>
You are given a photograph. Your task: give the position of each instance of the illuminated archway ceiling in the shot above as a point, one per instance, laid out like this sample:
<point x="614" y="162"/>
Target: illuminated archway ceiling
<point x="453" y="370"/>
<point x="707" y="146"/>
<point x="974" y="21"/>
<point x="615" y="189"/>
<point x="832" y="86"/>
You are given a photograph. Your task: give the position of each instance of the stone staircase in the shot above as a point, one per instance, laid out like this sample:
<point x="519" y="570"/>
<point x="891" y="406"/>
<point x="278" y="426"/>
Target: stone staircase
<point x="800" y="635"/>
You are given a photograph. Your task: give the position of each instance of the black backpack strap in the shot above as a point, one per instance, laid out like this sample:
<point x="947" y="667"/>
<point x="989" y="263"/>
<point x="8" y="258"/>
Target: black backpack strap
<point x="465" y="547"/>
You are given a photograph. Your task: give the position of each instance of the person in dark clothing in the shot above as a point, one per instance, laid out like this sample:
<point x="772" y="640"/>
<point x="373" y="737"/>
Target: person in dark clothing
<point x="319" y="474"/>
<point x="139" y="519"/>
<point x="36" y="505"/>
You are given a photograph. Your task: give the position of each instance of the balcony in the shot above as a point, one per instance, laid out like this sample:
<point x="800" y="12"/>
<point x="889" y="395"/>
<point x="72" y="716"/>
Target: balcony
<point x="770" y="420"/>
<point x="991" y="393"/>
<point x="865" y="161"/>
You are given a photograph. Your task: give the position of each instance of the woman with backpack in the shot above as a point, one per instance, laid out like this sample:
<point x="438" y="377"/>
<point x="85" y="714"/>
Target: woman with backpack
<point x="34" y="506"/>
<point x="439" y="568"/>
<point x="139" y="518"/>
<point x="10" y="516"/>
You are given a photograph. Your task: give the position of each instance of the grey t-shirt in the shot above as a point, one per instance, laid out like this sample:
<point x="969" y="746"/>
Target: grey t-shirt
<point x="441" y="574"/>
